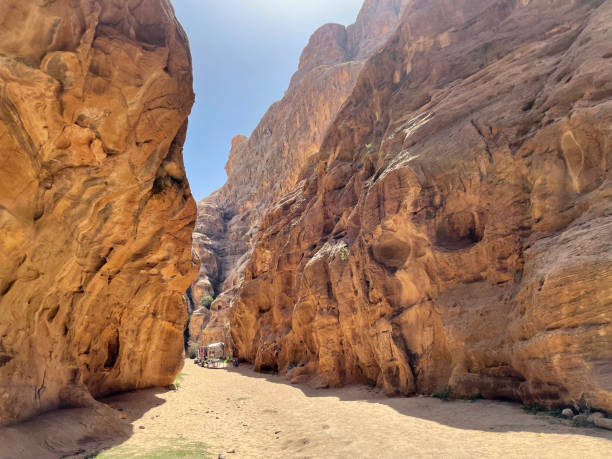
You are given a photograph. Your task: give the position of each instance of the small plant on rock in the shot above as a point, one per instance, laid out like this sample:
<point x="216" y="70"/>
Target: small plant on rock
<point x="193" y="352"/>
<point x="443" y="394"/>
<point x="178" y="381"/>
<point x="534" y="408"/>
<point x="344" y="253"/>
<point x="207" y="301"/>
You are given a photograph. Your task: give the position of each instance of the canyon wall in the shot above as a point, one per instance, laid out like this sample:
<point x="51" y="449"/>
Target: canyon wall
<point x="455" y="231"/>
<point x="96" y="214"/>
<point x="263" y="167"/>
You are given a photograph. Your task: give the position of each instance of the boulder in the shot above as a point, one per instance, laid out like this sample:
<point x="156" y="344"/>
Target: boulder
<point x="567" y="412"/>
<point x="604" y="423"/>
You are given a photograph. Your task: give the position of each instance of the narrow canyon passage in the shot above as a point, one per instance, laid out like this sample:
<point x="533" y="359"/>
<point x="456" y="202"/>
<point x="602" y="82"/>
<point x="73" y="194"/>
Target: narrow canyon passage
<point x="243" y="414"/>
<point x="427" y="209"/>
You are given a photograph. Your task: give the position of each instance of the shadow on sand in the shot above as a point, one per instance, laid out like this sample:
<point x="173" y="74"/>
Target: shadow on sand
<point x="78" y="432"/>
<point x="484" y="415"/>
<point x="81" y="432"/>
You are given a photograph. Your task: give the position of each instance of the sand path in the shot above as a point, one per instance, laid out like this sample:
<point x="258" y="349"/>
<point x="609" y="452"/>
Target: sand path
<point x="243" y="414"/>
<point x="259" y="416"/>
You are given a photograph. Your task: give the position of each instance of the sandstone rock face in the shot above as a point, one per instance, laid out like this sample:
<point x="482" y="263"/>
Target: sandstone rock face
<point x="268" y="164"/>
<point x="96" y="213"/>
<point x="455" y="230"/>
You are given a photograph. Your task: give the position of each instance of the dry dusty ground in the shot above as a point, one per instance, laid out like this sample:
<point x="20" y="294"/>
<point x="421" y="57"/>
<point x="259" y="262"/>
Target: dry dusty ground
<point x="243" y="414"/>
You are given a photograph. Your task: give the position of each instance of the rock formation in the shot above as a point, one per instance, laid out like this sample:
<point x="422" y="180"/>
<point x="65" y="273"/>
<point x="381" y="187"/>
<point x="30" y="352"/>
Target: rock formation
<point x="455" y="231"/>
<point x="96" y="213"/>
<point x="266" y="165"/>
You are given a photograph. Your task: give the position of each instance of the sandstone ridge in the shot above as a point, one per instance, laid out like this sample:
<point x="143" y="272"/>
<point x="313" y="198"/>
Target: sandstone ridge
<point x="455" y="231"/>
<point x="264" y="166"/>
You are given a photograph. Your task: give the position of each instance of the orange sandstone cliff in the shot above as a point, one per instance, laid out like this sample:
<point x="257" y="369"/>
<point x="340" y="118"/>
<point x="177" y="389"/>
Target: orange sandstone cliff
<point x="455" y="230"/>
<point x="96" y="214"/>
<point x="265" y="166"/>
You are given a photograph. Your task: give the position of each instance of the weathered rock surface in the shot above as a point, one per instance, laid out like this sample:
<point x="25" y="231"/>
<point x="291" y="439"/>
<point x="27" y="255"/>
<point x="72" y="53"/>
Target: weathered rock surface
<point x="567" y="412"/>
<point x="266" y="165"/>
<point x="96" y="213"/>
<point x="456" y="227"/>
<point x="604" y="423"/>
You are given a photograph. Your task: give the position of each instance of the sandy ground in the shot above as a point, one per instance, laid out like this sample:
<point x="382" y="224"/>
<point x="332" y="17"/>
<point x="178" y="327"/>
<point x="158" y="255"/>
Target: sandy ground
<point x="243" y="414"/>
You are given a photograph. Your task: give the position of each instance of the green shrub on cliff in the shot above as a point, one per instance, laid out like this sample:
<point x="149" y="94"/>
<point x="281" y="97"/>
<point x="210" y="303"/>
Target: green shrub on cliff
<point x="207" y="301"/>
<point x="443" y="394"/>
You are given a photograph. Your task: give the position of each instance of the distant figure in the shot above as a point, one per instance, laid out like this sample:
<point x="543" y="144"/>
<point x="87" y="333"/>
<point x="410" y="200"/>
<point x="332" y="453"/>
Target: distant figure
<point x="235" y="362"/>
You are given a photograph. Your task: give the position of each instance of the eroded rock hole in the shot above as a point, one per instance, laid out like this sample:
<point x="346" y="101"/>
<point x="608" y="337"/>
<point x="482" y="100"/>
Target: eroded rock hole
<point x="529" y="105"/>
<point x="162" y="184"/>
<point x="151" y="34"/>
<point x="460" y="230"/>
<point x="4" y="359"/>
<point x="391" y="251"/>
<point x="269" y="369"/>
<point x="52" y="313"/>
<point x="330" y="290"/>
<point x="7" y="287"/>
<point x="112" y="351"/>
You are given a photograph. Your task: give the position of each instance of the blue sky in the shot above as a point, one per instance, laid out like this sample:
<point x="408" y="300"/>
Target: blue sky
<point x="244" y="53"/>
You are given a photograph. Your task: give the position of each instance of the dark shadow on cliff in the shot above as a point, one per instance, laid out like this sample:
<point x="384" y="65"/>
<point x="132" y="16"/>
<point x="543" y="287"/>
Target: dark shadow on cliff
<point x="484" y="415"/>
<point x="79" y="432"/>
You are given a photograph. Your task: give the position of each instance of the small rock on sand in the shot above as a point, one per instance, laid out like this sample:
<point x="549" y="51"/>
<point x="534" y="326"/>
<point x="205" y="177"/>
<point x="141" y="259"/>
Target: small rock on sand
<point x="568" y="413"/>
<point x="595" y="415"/>
<point x="604" y="423"/>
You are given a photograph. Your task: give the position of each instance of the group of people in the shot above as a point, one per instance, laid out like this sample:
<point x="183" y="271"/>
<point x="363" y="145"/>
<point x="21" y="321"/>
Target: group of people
<point x="235" y="361"/>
